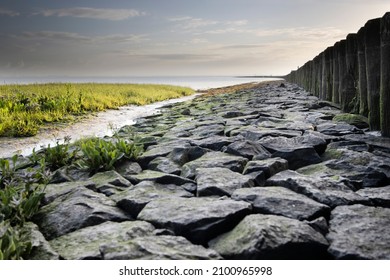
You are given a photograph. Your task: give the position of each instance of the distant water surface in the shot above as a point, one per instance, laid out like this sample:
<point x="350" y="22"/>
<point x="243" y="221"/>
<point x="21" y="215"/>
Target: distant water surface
<point x="195" y="82"/>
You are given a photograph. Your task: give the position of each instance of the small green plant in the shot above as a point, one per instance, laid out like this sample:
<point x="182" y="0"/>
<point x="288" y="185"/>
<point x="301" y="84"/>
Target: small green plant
<point x="114" y="129"/>
<point x="100" y="155"/>
<point x="21" y="192"/>
<point x="11" y="245"/>
<point x="131" y="150"/>
<point x="20" y="201"/>
<point x="7" y="170"/>
<point x="35" y="157"/>
<point x="24" y="127"/>
<point x="59" y="155"/>
<point x="40" y="175"/>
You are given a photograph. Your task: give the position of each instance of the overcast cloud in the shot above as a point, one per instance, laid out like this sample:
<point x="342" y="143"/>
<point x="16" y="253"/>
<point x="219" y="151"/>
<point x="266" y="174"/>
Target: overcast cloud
<point x="172" y="37"/>
<point x="91" y="13"/>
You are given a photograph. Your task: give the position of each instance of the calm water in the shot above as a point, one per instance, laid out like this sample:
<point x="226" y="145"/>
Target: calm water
<point x="195" y="82"/>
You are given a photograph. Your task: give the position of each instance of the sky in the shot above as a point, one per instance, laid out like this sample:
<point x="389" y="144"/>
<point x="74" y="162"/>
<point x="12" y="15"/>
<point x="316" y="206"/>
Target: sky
<point x="172" y="37"/>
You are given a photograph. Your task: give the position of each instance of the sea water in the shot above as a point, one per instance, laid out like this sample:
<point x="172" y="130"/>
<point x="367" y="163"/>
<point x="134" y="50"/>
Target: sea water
<point x="194" y="82"/>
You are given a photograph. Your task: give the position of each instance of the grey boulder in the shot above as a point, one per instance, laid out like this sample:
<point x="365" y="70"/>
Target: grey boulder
<point x="215" y="143"/>
<point x="379" y="196"/>
<point x="159" y="177"/>
<point x="197" y="219"/>
<point x="214" y="159"/>
<point x="160" y="150"/>
<point x="269" y="166"/>
<point x="40" y="247"/>
<point x="281" y="201"/>
<point x="77" y="209"/>
<point x="110" y="182"/>
<point x="247" y="149"/>
<point x="165" y="165"/>
<point x="309" y="139"/>
<point x="271" y="237"/>
<point x="338" y="129"/>
<point x="162" y="247"/>
<point x="134" y="199"/>
<point x="220" y="181"/>
<point x="359" y="232"/>
<point x="53" y="191"/>
<point x="321" y="190"/>
<point x="85" y="243"/>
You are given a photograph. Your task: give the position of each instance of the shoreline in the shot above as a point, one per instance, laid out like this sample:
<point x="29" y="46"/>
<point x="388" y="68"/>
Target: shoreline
<point x="88" y="126"/>
<point x="101" y="124"/>
<point x="195" y="82"/>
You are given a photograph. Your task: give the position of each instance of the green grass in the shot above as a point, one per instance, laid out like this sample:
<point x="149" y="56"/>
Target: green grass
<point x="24" y="109"/>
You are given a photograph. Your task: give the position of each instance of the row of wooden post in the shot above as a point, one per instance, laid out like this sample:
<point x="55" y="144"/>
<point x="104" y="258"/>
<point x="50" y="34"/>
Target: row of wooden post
<point x="354" y="73"/>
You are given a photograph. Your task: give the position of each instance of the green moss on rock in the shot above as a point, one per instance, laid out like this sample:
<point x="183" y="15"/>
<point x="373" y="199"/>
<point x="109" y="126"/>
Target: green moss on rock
<point x="352" y="119"/>
<point x="332" y="154"/>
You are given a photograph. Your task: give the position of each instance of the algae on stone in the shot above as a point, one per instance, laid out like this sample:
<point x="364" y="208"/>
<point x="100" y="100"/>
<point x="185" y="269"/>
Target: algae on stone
<point x="352" y="119"/>
<point x="85" y="243"/>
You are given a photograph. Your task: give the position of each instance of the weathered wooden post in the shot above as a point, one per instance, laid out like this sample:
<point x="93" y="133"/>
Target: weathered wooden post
<point x="362" y="73"/>
<point x="308" y="75"/>
<point x="336" y="73"/>
<point x="318" y="74"/>
<point x="373" y="61"/>
<point x="351" y="104"/>
<point x="342" y="72"/>
<point x="385" y="75"/>
<point x="312" y="77"/>
<point x="299" y="76"/>
<point x="302" y="76"/>
<point x="323" y="84"/>
<point x="326" y="75"/>
<point x="305" y="81"/>
<point x="331" y="71"/>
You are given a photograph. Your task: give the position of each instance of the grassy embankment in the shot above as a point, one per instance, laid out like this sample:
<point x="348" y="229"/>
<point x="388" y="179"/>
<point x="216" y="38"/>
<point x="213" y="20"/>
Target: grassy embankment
<point x="24" y="109"/>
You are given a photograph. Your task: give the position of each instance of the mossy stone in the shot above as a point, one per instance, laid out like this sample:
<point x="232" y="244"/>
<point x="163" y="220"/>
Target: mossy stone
<point x="332" y="154"/>
<point x="352" y="119"/>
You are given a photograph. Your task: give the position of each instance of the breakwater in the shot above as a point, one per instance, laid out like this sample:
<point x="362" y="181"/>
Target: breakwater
<point x="264" y="173"/>
<point x="354" y="73"/>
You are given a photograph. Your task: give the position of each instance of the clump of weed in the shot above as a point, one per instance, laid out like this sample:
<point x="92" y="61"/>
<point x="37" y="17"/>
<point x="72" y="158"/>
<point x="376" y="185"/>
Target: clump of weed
<point x="101" y="155"/>
<point x="21" y="192"/>
<point x="12" y="245"/>
<point x="60" y="155"/>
